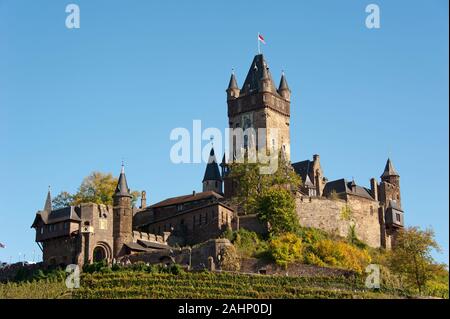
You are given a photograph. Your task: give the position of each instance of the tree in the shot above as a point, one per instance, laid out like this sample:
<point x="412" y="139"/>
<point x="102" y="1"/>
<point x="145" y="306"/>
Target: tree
<point x="251" y="183"/>
<point x="276" y="206"/>
<point x="63" y="199"/>
<point x="96" y="188"/>
<point x="411" y="257"/>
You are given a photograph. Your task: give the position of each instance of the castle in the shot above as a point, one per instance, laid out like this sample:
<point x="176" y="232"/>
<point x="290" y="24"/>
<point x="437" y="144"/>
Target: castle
<point x="92" y="232"/>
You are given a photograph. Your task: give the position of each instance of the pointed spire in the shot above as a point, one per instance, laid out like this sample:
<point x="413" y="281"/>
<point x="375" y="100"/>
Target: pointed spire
<point x="122" y="186"/>
<point x="212" y="172"/>
<point x="389" y="169"/>
<point x="258" y="71"/>
<point x="283" y="83"/>
<point x="233" y="83"/>
<point x="48" y="201"/>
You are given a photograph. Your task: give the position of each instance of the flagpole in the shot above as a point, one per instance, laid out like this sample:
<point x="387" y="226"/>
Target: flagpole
<point x="259" y="44"/>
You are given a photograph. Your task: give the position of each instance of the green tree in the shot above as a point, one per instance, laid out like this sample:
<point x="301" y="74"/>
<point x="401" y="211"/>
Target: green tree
<point x="251" y="183"/>
<point x="96" y="188"/>
<point x="276" y="206"/>
<point x="411" y="257"/>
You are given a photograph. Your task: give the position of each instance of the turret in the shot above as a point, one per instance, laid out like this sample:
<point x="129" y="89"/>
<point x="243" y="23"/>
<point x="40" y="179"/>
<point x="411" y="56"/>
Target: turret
<point x="390" y="175"/>
<point x="283" y="88"/>
<point x="390" y="185"/>
<point x="266" y="84"/>
<point x="212" y="180"/>
<point x="233" y="88"/>
<point x="122" y="216"/>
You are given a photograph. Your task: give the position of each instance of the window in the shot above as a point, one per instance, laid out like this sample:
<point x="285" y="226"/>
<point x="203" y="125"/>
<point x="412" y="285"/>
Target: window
<point x="180" y="207"/>
<point x="371" y="210"/>
<point x="398" y="218"/>
<point x="42" y="230"/>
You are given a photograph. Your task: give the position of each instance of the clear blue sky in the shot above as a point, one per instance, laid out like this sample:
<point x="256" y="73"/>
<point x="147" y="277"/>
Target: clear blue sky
<point x="75" y="101"/>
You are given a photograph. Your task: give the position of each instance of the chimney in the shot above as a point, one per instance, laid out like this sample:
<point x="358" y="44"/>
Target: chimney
<point x="374" y="188"/>
<point x="193" y="193"/>
<point x="316" y="158"/>
<point x="143" y="199"/>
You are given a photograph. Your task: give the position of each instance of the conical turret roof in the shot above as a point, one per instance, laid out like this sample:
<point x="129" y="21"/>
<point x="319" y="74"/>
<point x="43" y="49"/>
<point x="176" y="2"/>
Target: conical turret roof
<point x="389" y="169"/>
<point x="233" y="83"/>
<point x="283" y="83"/>
<point x="212" y="172"/>
<point x="48" y="202"/>
<point x="122" y="186"/>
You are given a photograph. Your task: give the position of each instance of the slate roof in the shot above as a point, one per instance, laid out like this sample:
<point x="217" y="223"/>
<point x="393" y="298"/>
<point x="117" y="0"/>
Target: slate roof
<point x="389" y="169"/>
<point x="283" y="83"/>
<point x="258" y="70"/>
<point x="212" y="172"/>
<point x="122" y="186"/>
<point x="154" y="245"/>
<point x="187" y="198"/>
<point x="233" y="83"/>
<point x="57" y="215"/>
<point x="303" y="168"/>
<point x="137" y="247"/>
<point x="342" y="186"/>
<point x="48" y="202"/>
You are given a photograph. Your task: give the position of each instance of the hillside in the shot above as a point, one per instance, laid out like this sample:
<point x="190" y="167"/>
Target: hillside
<point x="141" y="284"/>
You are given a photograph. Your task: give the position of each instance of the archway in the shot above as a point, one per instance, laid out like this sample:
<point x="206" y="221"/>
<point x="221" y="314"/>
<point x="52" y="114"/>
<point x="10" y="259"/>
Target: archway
<point x="99" y="254"/>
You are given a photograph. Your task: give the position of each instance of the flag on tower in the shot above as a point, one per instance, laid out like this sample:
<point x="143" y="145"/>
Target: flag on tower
<point x="261" y="38"/>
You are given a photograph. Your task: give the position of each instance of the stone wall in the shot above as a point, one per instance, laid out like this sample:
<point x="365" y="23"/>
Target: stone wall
<point x="195" y="258"/>
<point x="253" y="265"/>
<point x="252" y="223"/>
<point x="337" y="216"/>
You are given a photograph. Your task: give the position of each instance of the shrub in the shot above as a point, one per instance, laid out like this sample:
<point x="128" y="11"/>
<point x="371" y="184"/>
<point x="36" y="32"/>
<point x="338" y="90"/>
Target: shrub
<point x="95" y="267"/>
<point x="340" y="254"/>
<point x="286" y="249"/>
<point x="311" y="235"/>
<point x="353" y="238"/>
<point x="247" y="243"/>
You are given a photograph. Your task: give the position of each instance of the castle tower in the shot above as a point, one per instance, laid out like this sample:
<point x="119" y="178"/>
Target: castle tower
<point x="212" y="180"/>
<point x="390" y="185"/>
<point x="390" y="200"/>
<point x="122" y="216"/>
<point x="258" y="104"/>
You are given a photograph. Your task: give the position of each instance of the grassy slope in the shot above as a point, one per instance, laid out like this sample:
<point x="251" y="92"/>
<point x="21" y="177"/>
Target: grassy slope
<point x="127" y="284"/>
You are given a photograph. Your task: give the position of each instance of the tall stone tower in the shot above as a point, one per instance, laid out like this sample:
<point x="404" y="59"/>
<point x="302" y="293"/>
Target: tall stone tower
<point x="212" y="180"/>
<point x="391" y="205"/>
<point x="390" y="184"/>
<point x="123" y="216"/>
<point x="258" y="104"/>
